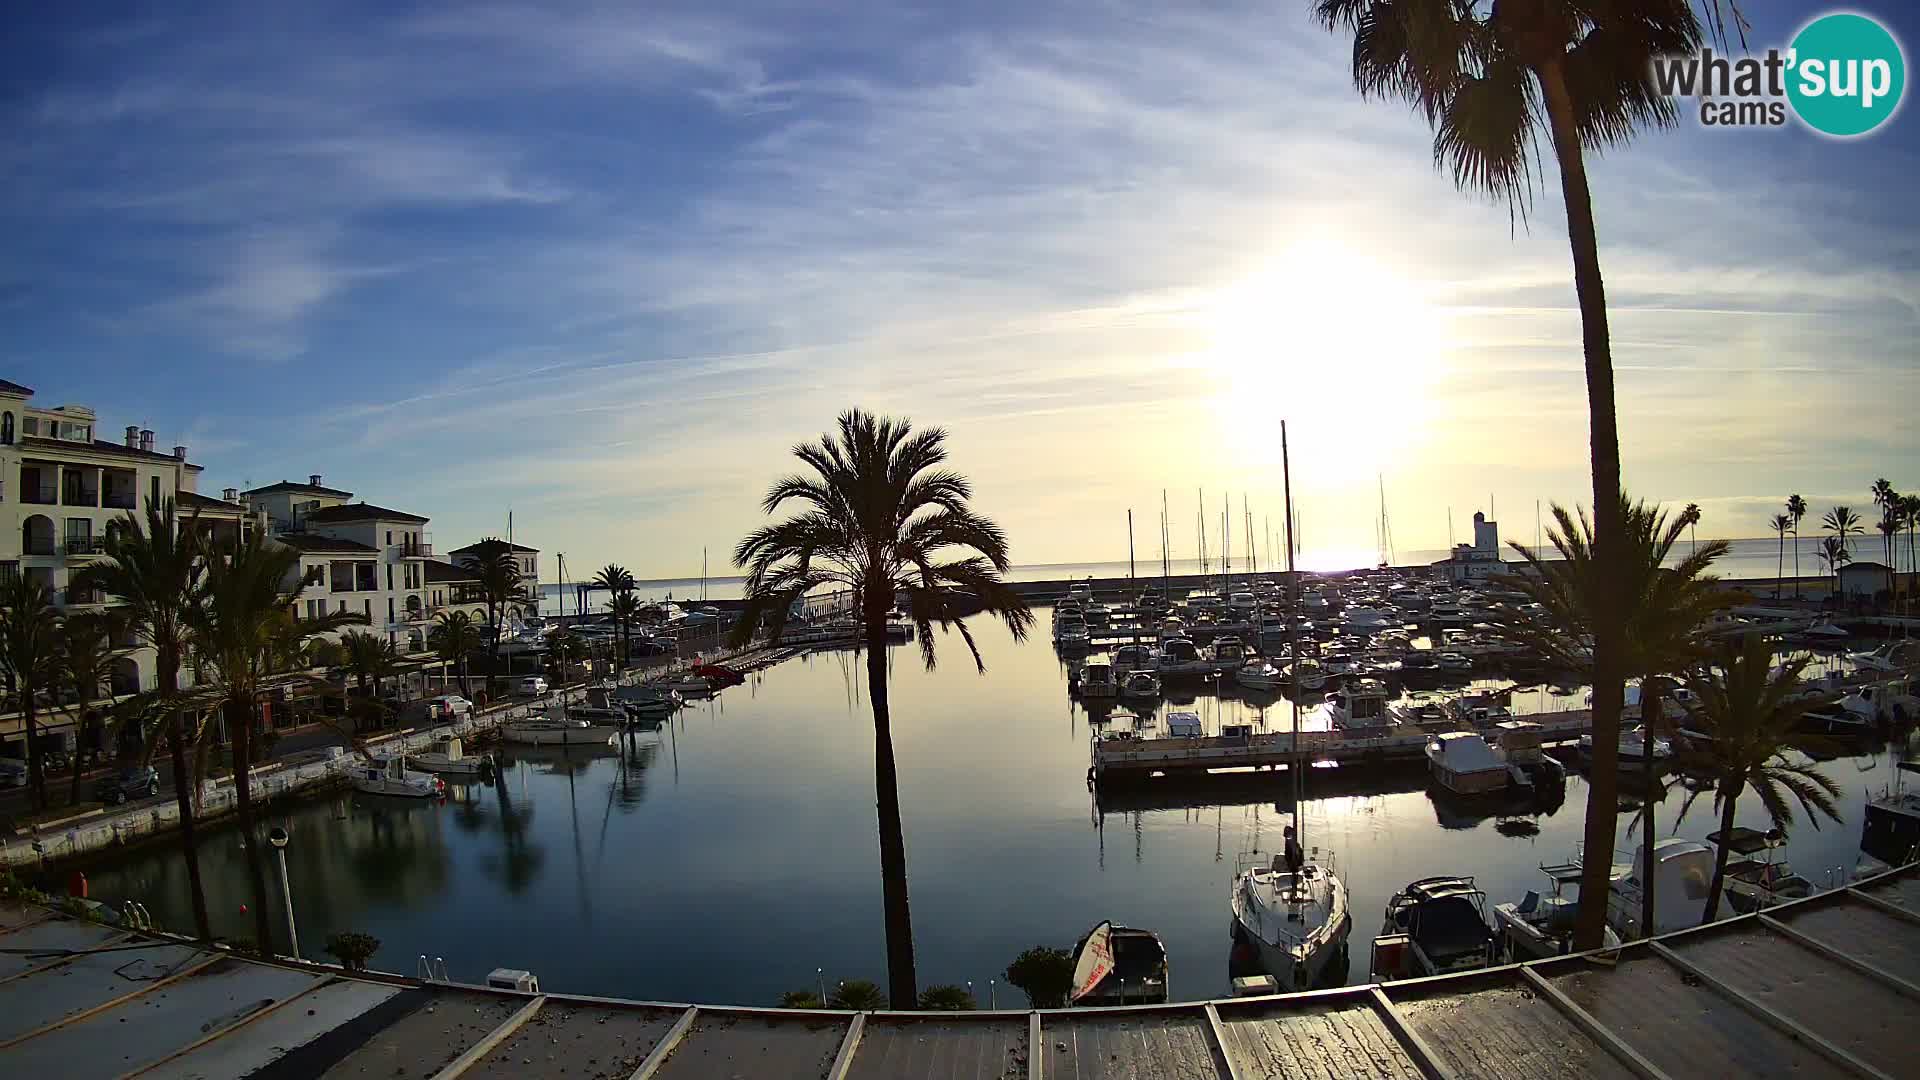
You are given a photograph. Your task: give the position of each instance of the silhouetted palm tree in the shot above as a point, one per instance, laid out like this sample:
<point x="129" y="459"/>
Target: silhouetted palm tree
<point x="1780" y="524"/>
<point x="625" y="608"/>
<point x="154" y="567"/>
<point x="1843" y="523"/>
<point x="1691" y="517"/>
<point x="1750" y="712"/>
<point x="369" y="657"/>
<point x="1489" y="80"/>
<point x="1835" y="554"/>
<point x="499" y="579"/>
<point x="85" y="661"/>
<point x="30" y="662"/>
<point x="454" y="637"/>
<point x="1796" y="509"/>
<point x="1666" y="610"/>
<point x="880" y="518"/>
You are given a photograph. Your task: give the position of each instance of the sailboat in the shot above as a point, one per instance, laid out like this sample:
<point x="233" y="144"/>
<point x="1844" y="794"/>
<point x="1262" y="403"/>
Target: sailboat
<point x="1294" y="916"/>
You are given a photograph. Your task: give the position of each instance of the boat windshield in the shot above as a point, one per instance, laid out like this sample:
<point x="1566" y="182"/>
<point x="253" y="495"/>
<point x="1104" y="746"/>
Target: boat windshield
<point x="1449" y="926"/>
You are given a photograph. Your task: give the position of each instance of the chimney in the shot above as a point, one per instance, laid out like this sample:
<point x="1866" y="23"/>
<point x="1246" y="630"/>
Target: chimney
<point x="133" y="436"/>
<point x="232" y="495"/>
<point x="179" y="453"/>
<point x="313" y="479"/>
<point x="146" y="439"/>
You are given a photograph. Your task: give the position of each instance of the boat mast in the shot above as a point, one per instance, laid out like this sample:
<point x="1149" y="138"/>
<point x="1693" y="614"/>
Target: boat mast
<point x="1201" y="520"/>
<point x="1165" y="567"/>
<point x="1293" y="646"/>
<point x="1129" y="547"/>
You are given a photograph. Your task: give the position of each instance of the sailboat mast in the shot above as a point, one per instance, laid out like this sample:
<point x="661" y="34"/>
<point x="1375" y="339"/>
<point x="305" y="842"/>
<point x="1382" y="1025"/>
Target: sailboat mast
<point x="1201" y="520"/>
<point x="1165" y="567"/>
<point x="1293" y="644"/>
<point x="1129" y="546"/>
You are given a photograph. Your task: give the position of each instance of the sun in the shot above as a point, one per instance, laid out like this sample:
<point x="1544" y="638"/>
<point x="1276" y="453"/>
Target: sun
<point x="1343" y="346"/>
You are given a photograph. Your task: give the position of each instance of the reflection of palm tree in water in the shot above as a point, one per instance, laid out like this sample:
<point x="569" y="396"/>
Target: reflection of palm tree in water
<point x="519" y="861"/>
<point x="393" y="859"/>
<point x="630" y="785"/>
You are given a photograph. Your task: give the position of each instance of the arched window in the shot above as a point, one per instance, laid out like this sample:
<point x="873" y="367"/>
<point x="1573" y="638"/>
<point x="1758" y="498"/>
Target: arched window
<point x="6" y="428"/>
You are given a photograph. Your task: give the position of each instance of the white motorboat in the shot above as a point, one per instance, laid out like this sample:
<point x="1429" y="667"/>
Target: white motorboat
<point x="1682" y="871"/>
<point x="549" y="731"/>
<point x="1452" y="662"/>
<point x="1893" y="656"/>
<point x="1753" y="884"/>
<point x="1541" y="926"/>
<point x="390" y="776"/>
<point x="1140" y="684"/>
<point x="1096" y="678"/>
<point x="687" y="685"/>
<point x="1636" y="749"/>
<point x="648" y="699"/>
<point x="1824" y="630"/>
<point x="1227" y="653"/>
<point x="449" y="757"/>
<point x="1892" y="702"/>
<point x="1258" y="673"/>
<point x="1435" y="926"/>
<point x="1133" y="658"/>
<point x="1297" y="923"/>
<point x="1359" y="704"/>
<point x="1464" y="763"/>
<point x="1178" y="656"/>
<point x="598" y="716"/>
<point x="1363" y="619"/>
<point x="1119" y="965"/>
<point x="1308" y="674"/>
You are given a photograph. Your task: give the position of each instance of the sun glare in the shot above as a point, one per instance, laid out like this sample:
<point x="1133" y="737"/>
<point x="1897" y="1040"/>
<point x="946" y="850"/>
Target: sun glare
<point x="1340" y="345"/>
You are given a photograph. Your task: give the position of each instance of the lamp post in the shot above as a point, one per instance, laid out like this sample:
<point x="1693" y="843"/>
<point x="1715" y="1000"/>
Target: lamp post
<point x="278" y="838"/>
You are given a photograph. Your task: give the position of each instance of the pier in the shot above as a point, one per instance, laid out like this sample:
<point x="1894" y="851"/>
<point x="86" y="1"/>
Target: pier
<point x="1819" y="987"/>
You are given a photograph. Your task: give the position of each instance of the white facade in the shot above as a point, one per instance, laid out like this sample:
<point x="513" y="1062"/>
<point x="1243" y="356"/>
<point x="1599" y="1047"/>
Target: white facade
<point x="1479" y="561"/>
<point x="356" y="557"/>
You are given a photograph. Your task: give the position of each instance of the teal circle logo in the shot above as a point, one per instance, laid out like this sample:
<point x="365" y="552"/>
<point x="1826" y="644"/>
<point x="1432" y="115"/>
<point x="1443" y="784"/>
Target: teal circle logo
<point x="1846" y="74"/>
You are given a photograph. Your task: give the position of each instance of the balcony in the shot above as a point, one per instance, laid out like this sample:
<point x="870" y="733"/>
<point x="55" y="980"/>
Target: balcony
<point x="84" y="547"/>
<point x="417" y="549"/>
<point x="120" y="500"/>
<point x="39" y="496"/>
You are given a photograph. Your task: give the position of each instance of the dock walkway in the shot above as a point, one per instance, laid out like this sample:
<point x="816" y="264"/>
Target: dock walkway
<point x="1824" y="987"/>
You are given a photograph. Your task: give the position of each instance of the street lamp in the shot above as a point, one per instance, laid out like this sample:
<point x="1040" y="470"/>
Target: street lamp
<point x="278" y="838"/>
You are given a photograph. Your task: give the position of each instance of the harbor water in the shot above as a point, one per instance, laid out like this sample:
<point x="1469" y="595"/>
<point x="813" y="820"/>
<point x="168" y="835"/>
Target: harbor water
<point x="732" y="855"/>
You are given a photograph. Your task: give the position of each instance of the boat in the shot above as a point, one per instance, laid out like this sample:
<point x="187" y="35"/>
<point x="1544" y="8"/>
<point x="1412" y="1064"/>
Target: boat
<point x="1635" y="748"/>
<point x="549" y="731"/>
<point x="1227" y="653"/>
<point x="1140" y="684"/>
<point x="1178" y="656"/>
<point x="1824" y="630"/>
<point x="1892" y="703"/>
<point x="1452" y="662"/>
<point x="1359" y="704"/>
<point x="1756" y="883"/>
<point x="1069" y="626"/>
<point x="1296" y="922"/>
<point x="1893" y="656"/>
<point x="687" y="685"/>
<point x="649" y="700"/>
<point x="1096" y="678"/>
<point x="1184" y="724"/>
<point x="1892" y="829"/>
<point x="1435" y="926"/>
<point x="1133" y="658"/>
<point x="449" y="757"/>
<point x="598" y="716"/>
<point x="1308" y="674"/>
<point x="1258" y="673"/>
<point x="1364" y="619"/>
<point x="390" y="776"/>
<point x="1541" y="926"/>
<point x="1464" y="763"/>
<point x="1835" y="721"/>
<point x="1682" y="874"/>
<point x="1119" y="965"/>
<point x="1523" y="744"/>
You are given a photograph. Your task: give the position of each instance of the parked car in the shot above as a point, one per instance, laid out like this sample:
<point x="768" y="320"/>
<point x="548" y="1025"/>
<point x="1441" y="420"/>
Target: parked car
<point x="139" y="782"/>
<point x="534" y="685"/>
<point x="13" y="773"/>
<point x="448" y="707"/>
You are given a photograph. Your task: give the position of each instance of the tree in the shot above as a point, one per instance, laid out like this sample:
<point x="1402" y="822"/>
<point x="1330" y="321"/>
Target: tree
<point x="240" y="630"/>
<point x="1691" y="518"/>
<point x="857" y="994"/>
<point x="1910" y="512"/>
<point x="625" y="609"/>
<point x="369" y="657"/>
<point x="454" y="638"/>
<point x="85" y="660"/>
<point x="947" y="998"/>
<point x="885" y="522"/>
<point x="1750" y="713"/>
<point x="801" y="999"/>
<point x="1796" y="509"/>
<point x="499" y="579"/>
<point x="1843" y="523"/>
<point x="1889" y="526"/>
<point x="1835" y="554"/>
<point x="1780" y="524"/>
<point x="1666" y="610"/>
<point x="1044" y="974"/>
<point x="154" y="567"/>
<point x="564" y="650"/>
<point x="30" y="662"/>
<point x="1488" y="81"/>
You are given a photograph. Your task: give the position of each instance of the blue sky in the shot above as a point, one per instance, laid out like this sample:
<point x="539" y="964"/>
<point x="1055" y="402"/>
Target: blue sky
<point x="603" y="265"/>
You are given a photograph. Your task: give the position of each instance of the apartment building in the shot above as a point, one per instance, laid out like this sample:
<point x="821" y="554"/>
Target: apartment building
<point x="355" y="557"/>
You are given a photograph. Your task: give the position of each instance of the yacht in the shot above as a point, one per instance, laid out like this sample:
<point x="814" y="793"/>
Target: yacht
<point x="1541" y="926"/>
<point x="1096" y="678"/>
<point x="390" y="776"/>
<point x="1360" y="704"/>
<point x="1178" y="656"/>
<point x="1464" y="763"/>
<point x="449" y="757"/>
<point x="1069" y="629"/>
<point x="1258" y="673"/>
<point x="1893" y="656"/>
<point x="1297" y="923"/>
<point x="1140" y="684"/>
<point x="549" y="731"/>
<point x="1242" y="606"/>
<point x="1682" y="872"/>
<point x="1364" y="619"/>
<point x="1435" y="926"/>
<point x="1133" y="658"/>
<point x="1308" y="674"/>
<point x="687" y="685"/>
<point x="649" y="700"/>
<point x="1889" y="703"/>
<point x="1184" y="724"/>
<point x="1227" y="653"/>
<point x="1452" y="663"/>
<point x="1416" y="661"/>
<point x="1636" y="749"/>
<point x="1756" y="883"/>
<point x="598" y="716"/>
<point x="1119" y="965"/>
<point x="1892" y="831"/>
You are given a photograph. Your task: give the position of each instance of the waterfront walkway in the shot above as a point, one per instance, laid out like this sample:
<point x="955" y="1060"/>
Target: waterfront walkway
<point x="1824" y="987"/>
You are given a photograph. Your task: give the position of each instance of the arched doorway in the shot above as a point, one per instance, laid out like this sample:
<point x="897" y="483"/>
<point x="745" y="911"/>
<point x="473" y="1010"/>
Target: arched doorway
<point x="124" y="676"/>
<point x="36" y="535"/>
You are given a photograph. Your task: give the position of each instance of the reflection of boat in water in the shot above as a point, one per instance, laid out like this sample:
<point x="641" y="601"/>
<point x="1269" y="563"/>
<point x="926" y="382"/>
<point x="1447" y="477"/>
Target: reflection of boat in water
<point x="548" y="731"/>
<point x="449" y="757"/>
<point x="390" y="776"/>
<point x="1297" y="922"/>
<point x="1541" y="926"/>
<point x="1435" y="926"/>
<point x="1119" y="965"/>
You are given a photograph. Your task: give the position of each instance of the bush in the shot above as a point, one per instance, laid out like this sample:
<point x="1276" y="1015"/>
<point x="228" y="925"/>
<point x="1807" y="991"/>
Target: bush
<point x="352" y="949"/>
<point x="801" y="999"/>
<point x="858" y="994"/>
<point x="947" y="998"/>
<point x="1044" y="975"/>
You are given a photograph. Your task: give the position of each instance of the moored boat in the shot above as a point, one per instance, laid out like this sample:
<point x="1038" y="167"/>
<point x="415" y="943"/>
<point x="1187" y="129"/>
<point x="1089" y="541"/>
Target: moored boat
<point x="549" y="731"/>
<point x="1119" y="965"/>
<point x="1140" y="684"/>
<point x="1539" y="926"/>
<point x="1435" y="926"/>
<point x="1296" y="921"/>
<point x="390" y="776"/>
<point x="449" y="756"/>
<point x="1464" y="763"/>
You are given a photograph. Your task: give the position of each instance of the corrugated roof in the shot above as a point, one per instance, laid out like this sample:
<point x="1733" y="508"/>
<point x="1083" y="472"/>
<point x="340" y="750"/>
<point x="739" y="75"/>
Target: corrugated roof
<point x="359" y="512"/>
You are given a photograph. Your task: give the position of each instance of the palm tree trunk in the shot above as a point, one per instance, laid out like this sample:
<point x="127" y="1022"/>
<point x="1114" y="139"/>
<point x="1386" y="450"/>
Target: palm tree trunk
<point x="169" y="681"/>
<point x="1649" y="717"/>
<point x="901" y="989"/>
<point x="1796" y="563"/>
<point x="1604" y="433"/>
<point x="73" y="792"/>
<point x="1780" y="566"/>
<point x="36" y="768"/>
<point x="1720" y="856"/>
<point x="240" y="724"/>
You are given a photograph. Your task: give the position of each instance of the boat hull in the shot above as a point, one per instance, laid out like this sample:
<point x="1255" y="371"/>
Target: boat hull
<point x="587" y="736"/>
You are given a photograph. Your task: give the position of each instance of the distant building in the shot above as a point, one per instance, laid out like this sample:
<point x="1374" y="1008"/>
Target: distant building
<point x="355" y="557"/>
<point x="1477" y="561"/>
<point x="1865" y="580"/>
<point x="525" y="559"/>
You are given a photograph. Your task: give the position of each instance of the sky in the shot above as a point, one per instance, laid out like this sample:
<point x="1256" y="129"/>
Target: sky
<point x="603" y="265"/>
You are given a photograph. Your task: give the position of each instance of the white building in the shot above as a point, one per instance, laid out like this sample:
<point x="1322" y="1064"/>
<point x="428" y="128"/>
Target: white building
<point x="525" y="559"/>
<point x="355" y="557"/>
<point x="1477" y="561"/>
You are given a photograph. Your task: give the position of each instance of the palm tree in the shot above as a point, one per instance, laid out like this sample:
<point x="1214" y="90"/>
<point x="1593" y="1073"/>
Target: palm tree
<point x="1750" y="713"/>
<point x="613" y="578"/>
<point x="1780" y="524"/>
<point x="1910" y="513"/>
<point x="1835" y="555"/>
<point x="154" y="567"/>
<point x="1842" y="522"/>
<point x="625" y="607"/>
<point x="499" y="579"/>
<point x="1889" y="526"/>
<point x="85" y="660"/>
<point x="1666" y="610"/>
<point x="564" y="650"/>
<point x="1691" y="518"/>
<point x="242" y="631"/>
<point x="1488" y="81"/>
<point x="885" y="522"/>
<point x="30" y="662"/>
<point x="455" y="637"/>
<point x="1796" y="509"/>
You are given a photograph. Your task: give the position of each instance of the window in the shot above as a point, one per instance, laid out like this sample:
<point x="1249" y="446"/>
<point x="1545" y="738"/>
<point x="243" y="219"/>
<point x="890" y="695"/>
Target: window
<point x="389" y="567"/>
<point x="6" y="428"/>
<point x="366" y="606"/>
<point x="389" y="536"/>
<point x="153" y="491"/>
<point x="316" y="608"/>
<point x="389" y="609"/>
<point x="31" y="425"/>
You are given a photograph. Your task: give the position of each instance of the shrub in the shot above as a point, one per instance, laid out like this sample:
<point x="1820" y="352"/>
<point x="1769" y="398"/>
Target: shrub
<point x="352" y="949"/>
<point x="946" y="998"/>
<point x="1044" y="975"/>
<point x="801" y="999"/>
<point x="857" y="994"/>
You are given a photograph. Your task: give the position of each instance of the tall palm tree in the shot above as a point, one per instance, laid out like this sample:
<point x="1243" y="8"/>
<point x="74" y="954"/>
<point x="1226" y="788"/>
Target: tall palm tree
<point x="1796" y="509"/>
<point x="625" y="607"/>
<point x="1834" y="553"/>
<point x="1910" y="512"/>
<point x="1691" y="517"/>
<point x="1666" y="609"/>
<point x="85" y="660"/>
<point x="30" y="662"/>
<point x="1888" y="500"/>
<point x="1489" y="81"/>
<point x="884" y="521"/>
<point x="241" y="630"/>
<point x="369" y="657"/>
<point x="564" y="649"/>
<point x="154" y="567"/>
<point x="1750" y="712"/>
<point x="1843" y="523"/>
<point x="498" y="573"/>
<point x="1889" y="526"/>
<point x="1780" y="524"/>
<point x="454" y="638"/>
<point x="613" y="578"/>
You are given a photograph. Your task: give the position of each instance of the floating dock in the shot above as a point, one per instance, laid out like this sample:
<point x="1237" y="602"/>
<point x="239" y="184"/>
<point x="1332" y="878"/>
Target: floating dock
<point x="1824" y="987"/>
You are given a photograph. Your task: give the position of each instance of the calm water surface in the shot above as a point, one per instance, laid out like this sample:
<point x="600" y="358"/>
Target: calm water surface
<point x="733" y="854"/>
